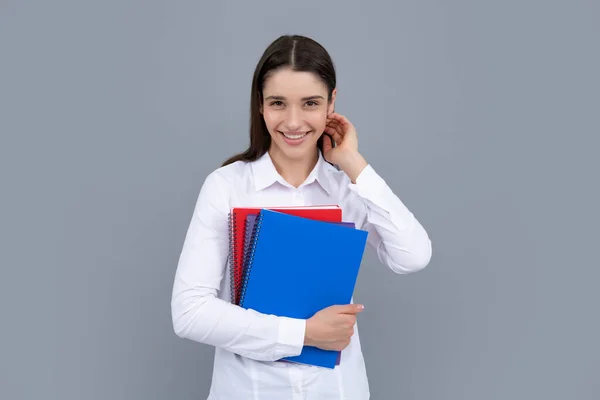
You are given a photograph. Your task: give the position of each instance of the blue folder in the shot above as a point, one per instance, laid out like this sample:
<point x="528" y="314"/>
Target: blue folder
<point x="297" y="266"/>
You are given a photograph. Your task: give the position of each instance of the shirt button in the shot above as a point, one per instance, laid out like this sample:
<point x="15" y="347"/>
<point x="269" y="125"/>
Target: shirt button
<point x="297" y="196"/>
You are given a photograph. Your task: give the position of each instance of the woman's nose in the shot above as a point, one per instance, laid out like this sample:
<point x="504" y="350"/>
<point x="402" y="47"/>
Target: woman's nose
<point x="294" y="119"/>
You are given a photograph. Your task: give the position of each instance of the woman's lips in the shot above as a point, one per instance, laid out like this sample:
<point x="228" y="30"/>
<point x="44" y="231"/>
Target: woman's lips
<point x="294" y="138"/>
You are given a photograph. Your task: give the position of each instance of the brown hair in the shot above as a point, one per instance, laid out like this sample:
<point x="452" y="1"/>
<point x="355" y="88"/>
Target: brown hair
<point x="293" y="51"/>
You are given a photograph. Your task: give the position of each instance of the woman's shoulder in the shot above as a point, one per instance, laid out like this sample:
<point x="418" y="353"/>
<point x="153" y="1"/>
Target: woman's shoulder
<point x="227" y="174"/>
<point x="227" y="177"/>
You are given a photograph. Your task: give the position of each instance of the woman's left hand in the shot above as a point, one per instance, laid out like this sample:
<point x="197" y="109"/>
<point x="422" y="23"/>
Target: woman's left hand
<point x="345" y="154"/>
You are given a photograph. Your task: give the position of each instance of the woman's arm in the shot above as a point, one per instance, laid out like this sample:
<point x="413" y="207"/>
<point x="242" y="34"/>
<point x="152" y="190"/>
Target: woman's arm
<point x="399" y="239"/>
<point x="198" y="314"/>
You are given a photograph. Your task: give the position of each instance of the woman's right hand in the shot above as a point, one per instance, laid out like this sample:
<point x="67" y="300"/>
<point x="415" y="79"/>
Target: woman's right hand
<point x="332" y="327"/>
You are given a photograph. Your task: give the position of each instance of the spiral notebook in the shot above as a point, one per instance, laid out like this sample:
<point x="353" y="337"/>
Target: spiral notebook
<point x="297" y="266"/>
<point x="250" y="224"/>
<point x="237" y="225"/>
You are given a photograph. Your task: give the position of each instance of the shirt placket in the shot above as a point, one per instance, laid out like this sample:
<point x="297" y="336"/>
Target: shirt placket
<point x="296" y="383"/>
<point x="298" y="197"/>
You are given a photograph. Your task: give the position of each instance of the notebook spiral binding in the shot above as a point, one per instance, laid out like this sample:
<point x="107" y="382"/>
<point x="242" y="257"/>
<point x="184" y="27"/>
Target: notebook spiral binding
<point x="250" y="258"/>
<point x="232" y="256"/>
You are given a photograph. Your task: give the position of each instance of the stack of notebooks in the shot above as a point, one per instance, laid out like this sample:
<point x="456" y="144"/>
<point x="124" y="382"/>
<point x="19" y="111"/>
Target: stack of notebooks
<point x="293" y="262"/>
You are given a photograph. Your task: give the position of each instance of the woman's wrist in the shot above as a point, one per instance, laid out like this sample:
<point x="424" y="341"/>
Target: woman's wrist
<point x="308" y="338"/>
<point x="353" y="164"/>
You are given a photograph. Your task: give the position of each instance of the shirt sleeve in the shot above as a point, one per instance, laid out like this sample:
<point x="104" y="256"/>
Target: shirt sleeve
<point x="399" y="239"/>
<point x="198" y="313"/>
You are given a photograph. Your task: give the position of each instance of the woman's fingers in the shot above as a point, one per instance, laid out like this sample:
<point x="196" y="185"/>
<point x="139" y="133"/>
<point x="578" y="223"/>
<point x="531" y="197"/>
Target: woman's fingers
<point x="339" y="120"/>
<point x="334" y="133"/>
<point x="336" y="126"/>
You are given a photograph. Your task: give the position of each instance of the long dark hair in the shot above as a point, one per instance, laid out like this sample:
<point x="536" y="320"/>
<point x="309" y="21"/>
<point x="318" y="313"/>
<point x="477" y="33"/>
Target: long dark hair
<point x="293" y="51"/>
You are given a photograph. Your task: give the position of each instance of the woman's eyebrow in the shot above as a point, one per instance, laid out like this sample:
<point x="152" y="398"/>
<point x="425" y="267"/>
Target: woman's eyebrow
<point x="274" y="97"/>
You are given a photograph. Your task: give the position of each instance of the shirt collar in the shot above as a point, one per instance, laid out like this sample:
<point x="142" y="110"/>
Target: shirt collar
<point x="265" y="174"/>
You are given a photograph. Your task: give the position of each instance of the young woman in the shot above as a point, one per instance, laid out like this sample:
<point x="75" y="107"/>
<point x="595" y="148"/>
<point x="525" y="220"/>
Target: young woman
<point x="289" y="162"/>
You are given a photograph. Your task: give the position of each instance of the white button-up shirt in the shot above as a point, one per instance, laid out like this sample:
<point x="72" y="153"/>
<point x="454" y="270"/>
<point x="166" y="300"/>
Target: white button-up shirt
<point x="247" y="343"/>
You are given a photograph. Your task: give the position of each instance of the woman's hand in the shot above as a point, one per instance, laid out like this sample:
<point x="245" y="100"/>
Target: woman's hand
<point x="345" y="154"/>
<point x="333" y="327"/>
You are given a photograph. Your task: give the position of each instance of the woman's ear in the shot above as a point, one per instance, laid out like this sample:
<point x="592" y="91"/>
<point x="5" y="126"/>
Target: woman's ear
<point x="331" y="106"/>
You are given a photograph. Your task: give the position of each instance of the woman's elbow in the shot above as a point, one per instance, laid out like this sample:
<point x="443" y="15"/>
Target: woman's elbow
<point x="406" y="263"/>
<point x="187" y="315"/>
<point x="181" y="321"/>
<point x="181" y="325"/>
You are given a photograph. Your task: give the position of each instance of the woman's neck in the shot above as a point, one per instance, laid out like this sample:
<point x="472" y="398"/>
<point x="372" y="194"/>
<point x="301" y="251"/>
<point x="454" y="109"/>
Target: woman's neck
<point x="294" y="171"/>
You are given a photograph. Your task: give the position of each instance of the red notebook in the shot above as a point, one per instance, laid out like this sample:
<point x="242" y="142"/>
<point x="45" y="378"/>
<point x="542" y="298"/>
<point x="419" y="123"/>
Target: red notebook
<point x="237" y="230"/>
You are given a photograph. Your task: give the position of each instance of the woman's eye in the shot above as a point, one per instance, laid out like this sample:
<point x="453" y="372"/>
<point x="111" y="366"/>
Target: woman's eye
<point x="277" y="103"/>
<point x="311" y="103"/>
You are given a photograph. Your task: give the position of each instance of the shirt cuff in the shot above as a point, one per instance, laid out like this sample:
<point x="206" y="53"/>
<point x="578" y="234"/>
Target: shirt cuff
<point x="291" y="336"/>
<point x="380" y="199"/>
<point x="368" y="183"/>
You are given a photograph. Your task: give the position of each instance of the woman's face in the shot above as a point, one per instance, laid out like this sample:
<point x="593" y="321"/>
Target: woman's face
<point x="295" y="110"/>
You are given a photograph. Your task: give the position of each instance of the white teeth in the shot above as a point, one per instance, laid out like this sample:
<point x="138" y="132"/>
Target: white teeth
<point x="293" y="137"/>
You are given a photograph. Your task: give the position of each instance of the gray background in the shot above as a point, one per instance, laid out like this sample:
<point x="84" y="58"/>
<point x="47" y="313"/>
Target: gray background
<point x="481" y="115"/>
